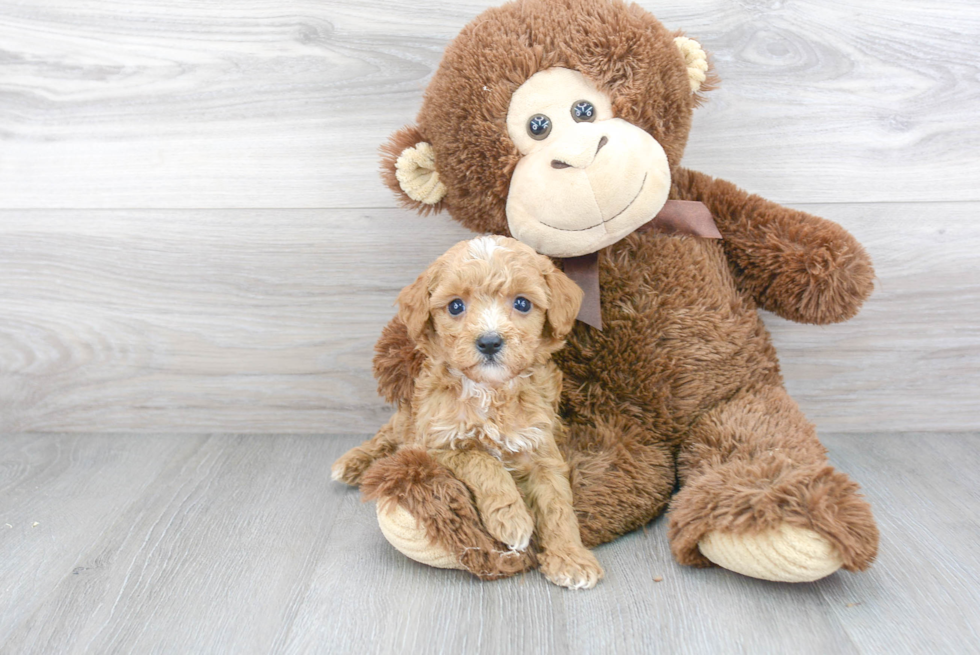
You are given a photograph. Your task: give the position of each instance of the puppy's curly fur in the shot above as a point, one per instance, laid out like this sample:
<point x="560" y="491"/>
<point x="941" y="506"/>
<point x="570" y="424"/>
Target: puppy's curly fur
<point x="487" y="317"/>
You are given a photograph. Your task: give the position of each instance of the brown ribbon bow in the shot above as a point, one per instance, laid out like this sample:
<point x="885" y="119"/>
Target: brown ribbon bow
<point x="677" y="217"/>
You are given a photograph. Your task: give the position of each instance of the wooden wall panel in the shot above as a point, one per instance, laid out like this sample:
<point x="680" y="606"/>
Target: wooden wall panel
<point x="264" y="321"/>
<point x="193" y="235"/>
<point x="275" y="103"/>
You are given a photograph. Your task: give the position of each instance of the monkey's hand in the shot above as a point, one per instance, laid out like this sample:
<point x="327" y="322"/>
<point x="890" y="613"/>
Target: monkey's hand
<point x="796" y="265"/>
<point x="396" y="363"/>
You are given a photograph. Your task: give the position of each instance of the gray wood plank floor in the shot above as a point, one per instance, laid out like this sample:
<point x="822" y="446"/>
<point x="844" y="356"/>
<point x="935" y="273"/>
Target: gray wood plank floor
<point x="239" y="544"/>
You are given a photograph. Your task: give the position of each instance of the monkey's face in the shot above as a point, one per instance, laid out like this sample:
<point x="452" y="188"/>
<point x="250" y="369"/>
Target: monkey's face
<point x="558" y="122"/>
<point x="585" y="179"/>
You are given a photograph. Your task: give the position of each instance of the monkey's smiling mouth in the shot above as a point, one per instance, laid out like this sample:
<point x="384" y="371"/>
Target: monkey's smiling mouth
<point x="601" y="223"/>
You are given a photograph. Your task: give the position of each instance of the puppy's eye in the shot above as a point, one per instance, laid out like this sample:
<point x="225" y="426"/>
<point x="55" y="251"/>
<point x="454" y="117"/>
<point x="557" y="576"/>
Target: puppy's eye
<point x="456" y="307"/>
<point x="522" y="304"/>
<point x="539" y="127"/>
<point x="583" y="111"/>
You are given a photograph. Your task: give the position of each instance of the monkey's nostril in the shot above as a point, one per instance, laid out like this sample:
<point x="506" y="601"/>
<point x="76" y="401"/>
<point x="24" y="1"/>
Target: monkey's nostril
<point x="560" y="164"/>
<point x="603" y="141"/>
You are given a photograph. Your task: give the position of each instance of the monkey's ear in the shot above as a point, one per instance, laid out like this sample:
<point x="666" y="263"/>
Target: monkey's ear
<point x="566" y="298"/>
<point x="413" y="305"/>
<point x="408" y="166"/>
<point x="696" y="60"/>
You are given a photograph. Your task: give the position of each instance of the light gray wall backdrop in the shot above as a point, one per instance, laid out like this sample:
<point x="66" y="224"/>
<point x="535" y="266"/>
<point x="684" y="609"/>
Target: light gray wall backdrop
<point x="194" y="237"/>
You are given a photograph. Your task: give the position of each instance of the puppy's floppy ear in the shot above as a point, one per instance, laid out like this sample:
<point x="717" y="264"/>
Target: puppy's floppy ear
<point x="566" y="298"/>
<point x="413" y="304"/>
<point x="408" y="167"/>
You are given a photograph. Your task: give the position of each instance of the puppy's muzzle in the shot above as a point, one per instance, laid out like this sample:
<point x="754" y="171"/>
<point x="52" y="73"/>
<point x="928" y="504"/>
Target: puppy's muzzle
<point x="489" y="344"/>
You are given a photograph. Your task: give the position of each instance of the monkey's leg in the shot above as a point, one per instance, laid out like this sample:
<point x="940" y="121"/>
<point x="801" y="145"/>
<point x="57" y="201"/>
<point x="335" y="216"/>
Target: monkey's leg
<point x="621" y="474"/>
<point x="758" y="496"/>
<point x="428" y="515"/>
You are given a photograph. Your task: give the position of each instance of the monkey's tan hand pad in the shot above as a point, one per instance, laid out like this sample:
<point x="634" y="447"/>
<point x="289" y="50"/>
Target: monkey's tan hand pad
<point x="785" y="554"/>
<point x="408" y="537"/>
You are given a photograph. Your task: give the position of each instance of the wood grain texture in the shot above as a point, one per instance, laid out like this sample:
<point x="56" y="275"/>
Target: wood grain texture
<point x="210" y="552"/>
<point x="203" y="320"/>
<point x="283" y="103"/>
<point x="238" y="544"/>
<point x="262" y="321"/>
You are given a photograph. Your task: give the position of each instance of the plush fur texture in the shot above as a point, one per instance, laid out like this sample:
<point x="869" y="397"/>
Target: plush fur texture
<point x="397" y="363"/>
<point x="622" y="48"/>
<point x="444" y="507"/>
<point x="682" y="386"/>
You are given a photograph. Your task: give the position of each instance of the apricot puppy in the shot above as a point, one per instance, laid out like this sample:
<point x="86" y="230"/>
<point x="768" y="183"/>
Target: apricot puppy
<point x="488" y="315"/>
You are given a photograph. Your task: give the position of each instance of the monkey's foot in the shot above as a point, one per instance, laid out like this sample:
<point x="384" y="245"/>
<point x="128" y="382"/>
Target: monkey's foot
<point x="408" y="537"/>
<point x="783" y="554"/>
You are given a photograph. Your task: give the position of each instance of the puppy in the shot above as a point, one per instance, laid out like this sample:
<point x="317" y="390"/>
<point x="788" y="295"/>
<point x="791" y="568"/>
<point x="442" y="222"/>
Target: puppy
<point x="488" y="315"/>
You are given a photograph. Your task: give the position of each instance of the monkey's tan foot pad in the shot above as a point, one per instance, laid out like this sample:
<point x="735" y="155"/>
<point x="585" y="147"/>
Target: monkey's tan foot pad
<point x="408" y="537"/>
<point x="783" y="554"/>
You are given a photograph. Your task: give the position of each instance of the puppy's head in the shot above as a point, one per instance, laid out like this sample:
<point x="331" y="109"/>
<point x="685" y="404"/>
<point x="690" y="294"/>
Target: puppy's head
<point x="490" y="307"/>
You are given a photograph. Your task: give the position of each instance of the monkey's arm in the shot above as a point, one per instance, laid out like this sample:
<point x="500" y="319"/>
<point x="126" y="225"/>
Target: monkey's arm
<point x="796" y="265"/>
<point x="396" y="363"/>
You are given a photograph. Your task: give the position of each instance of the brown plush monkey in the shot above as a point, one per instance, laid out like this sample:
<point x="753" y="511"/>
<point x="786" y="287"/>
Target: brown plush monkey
<point x="562" y="123"/>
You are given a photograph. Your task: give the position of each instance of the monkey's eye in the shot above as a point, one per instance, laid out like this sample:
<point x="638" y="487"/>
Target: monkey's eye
<point x="539" y="127"/>
<point x="583" y="111"/>
<point x="522" y="304"/>
<point x="456" y="307"/>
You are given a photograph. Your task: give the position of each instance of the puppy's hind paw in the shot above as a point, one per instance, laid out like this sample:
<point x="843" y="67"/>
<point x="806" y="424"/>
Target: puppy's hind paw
<point x="575" y="569"/>
<point x="511" y="524"/>
<point x="351" y="467"/>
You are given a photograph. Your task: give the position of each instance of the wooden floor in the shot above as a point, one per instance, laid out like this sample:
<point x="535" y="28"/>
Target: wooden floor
<point x="240" y="544"/>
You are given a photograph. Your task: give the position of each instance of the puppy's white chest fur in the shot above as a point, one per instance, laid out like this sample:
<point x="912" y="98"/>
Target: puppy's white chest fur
<point x="489" y="435"/>
<point x="489" y="416"/>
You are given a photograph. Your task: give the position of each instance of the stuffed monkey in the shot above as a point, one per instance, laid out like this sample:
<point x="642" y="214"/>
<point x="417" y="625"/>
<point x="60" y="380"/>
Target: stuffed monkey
<point x="563" y="123"/>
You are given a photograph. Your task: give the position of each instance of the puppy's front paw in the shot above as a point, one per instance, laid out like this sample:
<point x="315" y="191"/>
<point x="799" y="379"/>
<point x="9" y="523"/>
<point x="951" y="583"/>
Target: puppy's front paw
<point x="576" y="568"/>
<point x="511" y="524"/>
<point x="351" y="466"/>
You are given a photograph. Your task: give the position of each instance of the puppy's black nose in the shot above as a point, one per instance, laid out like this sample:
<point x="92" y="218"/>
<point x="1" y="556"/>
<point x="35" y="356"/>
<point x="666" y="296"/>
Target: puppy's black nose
<point x="489" y="344"/>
